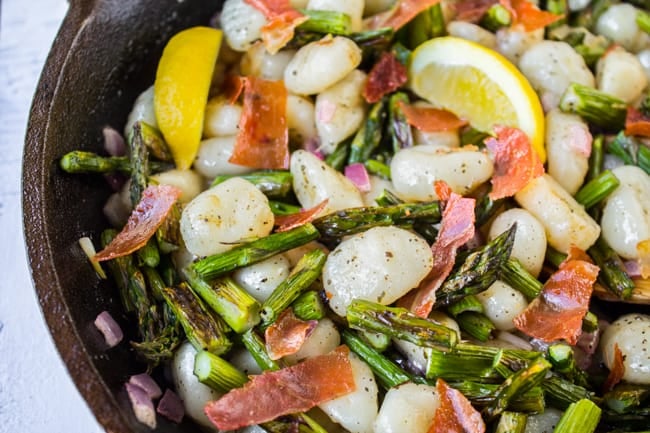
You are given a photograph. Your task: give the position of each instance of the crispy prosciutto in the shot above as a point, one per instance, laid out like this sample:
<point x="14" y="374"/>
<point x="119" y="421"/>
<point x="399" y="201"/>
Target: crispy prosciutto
<point x="283" y="20"/>
<point x="263" y="140"/>
<point x="287" y="334"/>
<point x="636" y="123"/>
<point x="455" y="413"/>
<point x="148" y="215"/>
<point x="457" y="227"/>
<point x="293" y="389"/>
<point x="232" y="87"/>
<point x="529" y="15"/>
<point x="472" y="10"/>
<point x="288" y="222"/>
<point x="558" y="311"/>
<point x="401" y="13"/>
<point x="386" y="76"/>
<point x="617" y="372"/>
<point x="515" y="161"/>
<point x="429" y="119"/>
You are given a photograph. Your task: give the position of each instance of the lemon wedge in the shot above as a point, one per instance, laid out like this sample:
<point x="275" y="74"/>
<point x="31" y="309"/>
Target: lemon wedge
<point x="477" y="84"/>
<point x="181" y="90"/>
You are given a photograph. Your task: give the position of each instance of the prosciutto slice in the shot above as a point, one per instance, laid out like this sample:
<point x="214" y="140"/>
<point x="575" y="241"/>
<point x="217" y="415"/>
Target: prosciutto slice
<point x="287" y="334"/>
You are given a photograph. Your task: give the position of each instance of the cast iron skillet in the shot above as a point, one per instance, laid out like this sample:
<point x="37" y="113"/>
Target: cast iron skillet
<point x="105" y="54"/>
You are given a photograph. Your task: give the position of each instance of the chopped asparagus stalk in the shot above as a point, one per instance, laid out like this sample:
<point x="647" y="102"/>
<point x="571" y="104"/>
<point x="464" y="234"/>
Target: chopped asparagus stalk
<point x="339" y="157"/>
<point x="387" y="372"/>
<point x="376" y="340"/>
<point x="479" y="270"/>
<point x="279" y="208"/>
<point x="468" y="303"/>
<point x="471" y="136"/>
<point x="355" y="220"/>
<point x="369" y="135"/>
<point x="237" y="308"/>
<point x="477" y="325"/>
<point x="168" y="234"/>
<point x="79" y="161"/>
<point x="306" y="271"/>
<point x="496" y="17"/>
<point x="630" y="151"/>
<point x="612" y="273"/>
<point x="399" y="129"/>
<point x="400" y="323"/>
<point x="486" y="208"/>
<point x="273" y="183"/>
<point x="596" y="157"/>
<point x="511" y="422"/>
<point x="217" y="373"/>
<point x="643" y="21"/>
<point x="554" y="257"/>
<point x="378" y="168"/>
<point x="121" y="268"/>
<point x="202" y="329"/>
<point x="594" y="106"/>
<point x="326" y="22"/>
<point x="388" y="198"/>
<point x="516" y="384"/>
<point x="139" y="157"/>
<point x="309" y="306"/>
<point x="561" y="357"/>
<point x="428" y="24"/>
<point x="253" y="252"/>
<point x="373" y="43"/>
<point x="590" y="322"/>
<point x="626" y="397"/>
<point x="483" y="394"/>
<point x="597" y="189"/>
<point x="561" y="393"/>
<point x="162" y="347"/>
<point x="149" y="255"/>
<point x="256" y="347"/>
<point x="515" y="275"/>
<point x="581" y="417"/>
<point x="155" y="143"/>
<point x="155" y="282"/>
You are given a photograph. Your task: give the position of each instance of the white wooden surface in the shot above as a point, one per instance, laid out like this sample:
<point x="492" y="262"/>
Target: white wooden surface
<point x="36" y="393"/>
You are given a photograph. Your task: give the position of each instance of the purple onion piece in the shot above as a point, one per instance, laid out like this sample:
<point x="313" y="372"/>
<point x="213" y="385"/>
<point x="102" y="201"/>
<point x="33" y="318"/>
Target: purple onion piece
<point x="358" y="174"/>
<point x="142" y="405"/>
<point x="632" y="268"/>
<point x="171" y="407"/>
<point x="114" y="143"/>
<point x="109" y="328"/>
<point x="147" y="383"/>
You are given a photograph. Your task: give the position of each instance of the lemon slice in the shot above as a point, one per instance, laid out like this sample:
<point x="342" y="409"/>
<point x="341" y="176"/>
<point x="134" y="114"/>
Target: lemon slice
<point x="477" y="84"/>
<point x="181" y="90"/>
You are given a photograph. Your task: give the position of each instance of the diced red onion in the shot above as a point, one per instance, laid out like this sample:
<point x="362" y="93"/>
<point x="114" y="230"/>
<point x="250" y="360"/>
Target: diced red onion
<point x="109" y="328"/>
<point x="477" y="240"/>
<point x="632" y="268"/>
<point x="142" y="405"/>
<point x="588" y="342"/>
<point x="115" y="181"/>
<point x="115" y="211"/>
<point x="147" y="383"/>
<point x="312" y="145"/>
<point x="358" y="174"/>
<point x="171" y="407"/>
<point x="113" y="142"/>
<point x="516" y="341"/>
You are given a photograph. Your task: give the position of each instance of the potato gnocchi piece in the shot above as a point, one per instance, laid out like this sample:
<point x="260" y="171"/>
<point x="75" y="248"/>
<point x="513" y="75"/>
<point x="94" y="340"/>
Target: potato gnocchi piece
<point x="512" y="42"/>
<point x="315" y="181"/>
<point x="188" y="181"/>
<point x="323" y="339"/>
<point x="301" y="119"/>
<point x="409" y="408"/>
<point x="142" y="111"/>
<point x="261" y="278"/>
<point x="337" y="55"/>
<point x="340" y="110"/>
<point x="213" y="155"/>
<point x="626" y="216"/>
<point x="220" y="217"/>
<point x="241" y="24"/>
<point x="221" y="118"/>
<point x="565" y="221"/>
<point x="357" y="410"/>
<point x="502" y="304"/>
<point x="379" y="265"/>
<point x="621" y="74"/>
<point x="530" y="240"/>
<point x="630" y="332"/>
<point x="618" y="23"/>
<point x="544" y="422"/>
<point x="353" y="8"/>
<point x="258" y="62"/>
<point x="472" y="32"/>
<point x="414" y="171"/>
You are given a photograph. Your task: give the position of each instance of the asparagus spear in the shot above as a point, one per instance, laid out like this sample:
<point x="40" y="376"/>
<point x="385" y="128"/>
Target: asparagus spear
<point x="378" y="168"/>
<point x="643" y="21"/>
<point x="121" y="268"/>
<point x="496" y="17"/>
<point x="256" y="347"/>
<point x="149" y="255"/>
<point x="217" y="373"/>
<point x="400" y="323"/>
<point x="511" y="422"/>
<point x="597" y="189"/>
<point x="168" y="234"/>
<point x="237" y="308"/>
<point x="373" y="43"/>
<point x="428" y="24"/>
<point x="280" y="208"/>
<point x="369" y="135"/>
<point x="630" y="151"/>
<point x="253" y="252"/>
<point x="306" y="271"/>
<point x="626" y="397"/>
<point x="469" y="135"/>
<point x="154" y="141"/>
<point x="580" y="417"/>
<point x="596" y="157"/>
<point x="339" y="157"/>
<point x="612" y="273"/>
<point x="273" y="183"/>
<point x="561" y="357"/>
<point x="80" y="161"/>
<point x="387" y="372"/>
<point x="139" y="157"/>
<point x="326" y="22"/>
<point x="468" y="303"/>
<point x="388" y="198"/>
<point x="561" y="393"/>
<point x="483" y="394"/>
<point x="309" y="306"/>
<point x="203" y="330"/>
<point x="596" y="107"/>
<point x="479" y="270"/>
<point x="518" y="383"/>
<point x="515" y="275"/>
<point x="355" y="220"/>
<point x="486" y="208"/>
<point x="477" y="325"/>
<point x="399" y="129"/>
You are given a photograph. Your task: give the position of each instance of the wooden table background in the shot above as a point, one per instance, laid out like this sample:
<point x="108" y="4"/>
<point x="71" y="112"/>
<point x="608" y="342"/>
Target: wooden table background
<point x="36" y="393"/>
